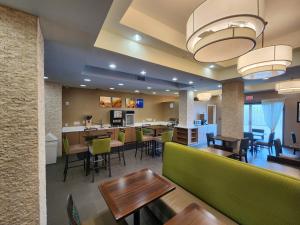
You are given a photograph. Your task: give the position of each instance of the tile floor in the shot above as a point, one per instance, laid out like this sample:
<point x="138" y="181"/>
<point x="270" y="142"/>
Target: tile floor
<point x="87" y="197"/>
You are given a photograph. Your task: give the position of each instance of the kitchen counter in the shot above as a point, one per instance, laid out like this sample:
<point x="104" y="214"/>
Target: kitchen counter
<point x="107" y="127"/>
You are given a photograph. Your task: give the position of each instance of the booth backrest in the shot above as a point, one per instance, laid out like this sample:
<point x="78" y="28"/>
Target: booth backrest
<point x="247" y="194"/>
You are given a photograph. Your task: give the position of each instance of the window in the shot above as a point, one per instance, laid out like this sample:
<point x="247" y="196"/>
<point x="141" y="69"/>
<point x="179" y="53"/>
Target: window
<point x="254" y="118"/>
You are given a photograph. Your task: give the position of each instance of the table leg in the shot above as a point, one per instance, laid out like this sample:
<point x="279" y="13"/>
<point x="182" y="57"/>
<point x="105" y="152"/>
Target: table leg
<point x="136" y="217"/>
<point x="87" y="169"/>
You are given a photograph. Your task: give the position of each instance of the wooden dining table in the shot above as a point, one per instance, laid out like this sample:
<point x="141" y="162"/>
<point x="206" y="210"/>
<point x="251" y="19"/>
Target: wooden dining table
<point x="194" y="214"/>
<point x="228" y="143"/>
<point x="217" y="151"/>
<point x="128" y="194"/>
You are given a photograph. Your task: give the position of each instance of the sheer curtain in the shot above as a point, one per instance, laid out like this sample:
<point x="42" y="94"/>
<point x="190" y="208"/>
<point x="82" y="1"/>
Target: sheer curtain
<point x="272" y="110"/>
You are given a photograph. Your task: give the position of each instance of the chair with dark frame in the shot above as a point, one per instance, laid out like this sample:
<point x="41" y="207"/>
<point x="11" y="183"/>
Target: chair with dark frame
<point x="244" y="146"/>
<point x="294" y="146"/>
<point x="143" y="141"/>
<point x="79" y="151"/>
<point x="268" y="144"/>
<point x="119" y="145"/>
<point x="260" y="133"/>
<point x="249" y="135"/>
<point x="210" y="139"/>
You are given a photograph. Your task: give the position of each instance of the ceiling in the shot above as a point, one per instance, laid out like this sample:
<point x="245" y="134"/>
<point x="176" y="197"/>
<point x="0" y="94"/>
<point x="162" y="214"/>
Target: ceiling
<point x="83" y="37"/>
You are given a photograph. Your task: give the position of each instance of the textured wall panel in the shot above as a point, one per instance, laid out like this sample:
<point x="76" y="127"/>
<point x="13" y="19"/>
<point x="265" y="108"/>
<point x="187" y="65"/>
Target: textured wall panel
<point x="21" y="133"/>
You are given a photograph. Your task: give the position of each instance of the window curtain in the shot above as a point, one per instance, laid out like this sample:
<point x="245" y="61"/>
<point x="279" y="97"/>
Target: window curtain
<point x="272" y="110"/>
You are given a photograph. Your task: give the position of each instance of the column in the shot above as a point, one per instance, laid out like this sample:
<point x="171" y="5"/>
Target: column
<point x="186" y="108"/>
<point x="22" y="133"/>
<point x="232" y="108"/>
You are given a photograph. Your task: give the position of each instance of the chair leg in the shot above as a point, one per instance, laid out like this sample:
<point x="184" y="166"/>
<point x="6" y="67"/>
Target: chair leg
<point x="66" y="167"/>
<point x="123" y="153"/>
<point x="119" y="154"/>
<point x="87" y="163"/>
<point x="269" y="151"/>
<point x="136" y="149"/>
<point x="294" y="151"/>
<point x="109" y="166"/>
<point x="93" y="169"/>
<point x="142" y="146"/>
<point x="246" y="158"/>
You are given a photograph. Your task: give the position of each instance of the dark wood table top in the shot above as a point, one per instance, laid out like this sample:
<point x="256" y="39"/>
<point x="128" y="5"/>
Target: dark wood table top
<point x="127" y="194"/>
<point x="193" y="214"/>
<point x="227" y="139"/>
<point x="217" y="151"/>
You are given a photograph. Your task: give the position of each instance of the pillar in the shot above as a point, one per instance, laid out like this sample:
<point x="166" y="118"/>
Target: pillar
<point x="186" y="108"/>
<point x="232" y="112"/>
<point x="22" y="144"/>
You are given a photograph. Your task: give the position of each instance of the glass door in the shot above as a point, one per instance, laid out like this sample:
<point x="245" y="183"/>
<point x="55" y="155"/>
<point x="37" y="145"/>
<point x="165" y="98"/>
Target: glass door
<point x="254" y="119"/>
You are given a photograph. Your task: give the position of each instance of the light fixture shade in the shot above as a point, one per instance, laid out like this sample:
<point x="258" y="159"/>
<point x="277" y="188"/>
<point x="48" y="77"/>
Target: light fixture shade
<point x="265" y="62"/>
<point x="228" y="32"/>
<point x="204" y="96"/>
<point x="288" y="87"/>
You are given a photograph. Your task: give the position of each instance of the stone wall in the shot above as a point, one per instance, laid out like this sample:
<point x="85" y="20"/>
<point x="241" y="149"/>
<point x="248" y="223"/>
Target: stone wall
<point x="53" y="111"/>
<point x="22" y="147"/>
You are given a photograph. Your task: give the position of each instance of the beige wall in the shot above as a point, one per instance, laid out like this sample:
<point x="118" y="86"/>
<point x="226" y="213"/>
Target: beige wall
<point x="53" y="111"/>
<point x="290" y="115"/>
<point x="86" y="102"/>
<point x="22" y="146"/>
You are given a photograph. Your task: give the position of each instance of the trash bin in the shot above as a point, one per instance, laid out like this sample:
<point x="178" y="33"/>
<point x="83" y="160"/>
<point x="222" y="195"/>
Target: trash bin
<point x="51" y="148"/>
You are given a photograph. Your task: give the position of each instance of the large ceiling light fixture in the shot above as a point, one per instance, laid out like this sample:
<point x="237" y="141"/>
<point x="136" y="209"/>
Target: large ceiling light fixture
<point x="222" y="30"/>
<point x="288" y="87"/>
<point x="203" y="97"/>
<point x="265" y="62"/>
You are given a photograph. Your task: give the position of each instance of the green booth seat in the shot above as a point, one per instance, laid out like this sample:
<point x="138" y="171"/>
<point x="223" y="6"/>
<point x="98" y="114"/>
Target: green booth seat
<point x="247" y="194"/>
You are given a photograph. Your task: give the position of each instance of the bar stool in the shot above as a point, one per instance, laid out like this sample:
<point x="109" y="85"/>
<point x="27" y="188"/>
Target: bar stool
<point x="120" y="145"/>
<point x="78" y="150"/>
<point x="166" y="136"/>
<point x="144" y="141"/>
<point x="100" y="147"/>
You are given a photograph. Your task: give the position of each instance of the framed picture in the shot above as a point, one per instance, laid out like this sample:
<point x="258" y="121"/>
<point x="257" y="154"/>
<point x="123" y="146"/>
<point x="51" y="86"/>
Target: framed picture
<point x="130" y="103"/>
<point x="105" y="102"/>
<point x="139" y="103"/>
<point x="298" y="112"/>
<point x="116" y="102"/>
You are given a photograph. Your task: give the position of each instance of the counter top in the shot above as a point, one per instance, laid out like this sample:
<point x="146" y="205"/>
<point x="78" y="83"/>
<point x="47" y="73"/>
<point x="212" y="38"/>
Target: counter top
<point x="107" y="126"/>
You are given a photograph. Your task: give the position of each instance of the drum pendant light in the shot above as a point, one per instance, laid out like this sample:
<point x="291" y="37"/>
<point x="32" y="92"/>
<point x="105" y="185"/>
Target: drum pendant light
<point x="221" y="30"/>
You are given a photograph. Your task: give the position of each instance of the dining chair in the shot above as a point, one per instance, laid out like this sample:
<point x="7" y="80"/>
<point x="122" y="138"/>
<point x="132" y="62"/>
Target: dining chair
<point x="278" y="147"/>
<point x="209" y="138"/>
<point x="294" y="141"/>
<point x="244" y="146"/>
<point x="143" y="141"/>
<point x="166" y="136"/>
<point x="249" y="135"/>
<point x="78" y="150"/>
<point x="119" y="145"/>
<point x="100" y="147"/>
<point x="103" y="218"/>
<point x="268" y="144"/>
<point x="260" y="133"/>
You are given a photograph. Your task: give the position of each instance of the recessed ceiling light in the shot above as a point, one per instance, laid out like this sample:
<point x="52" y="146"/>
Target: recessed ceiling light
<point x="82" y="85"/>
<point x="266" y="78"/>
<point x="176" y="93"/>
<point x="112" y="66"/>
<point x="45" y="77"/>
<point x="87" y="80"/>
<point x="219" y="86"/>
<point x="143" y="72"/>
<point x="112" y="88"/>
<point x="149" y="88"/>
<point x="136" y="91"/>
<point x="154" y="92"/>
<point x="191" y="82"/>
<point x="137" y="37"/>
<point x="211" y="66"/>
<point x="195" y="90"/>
<point x="174" y="79"/>
<point x="167" y="90"/>
<point x="120" y="84"/>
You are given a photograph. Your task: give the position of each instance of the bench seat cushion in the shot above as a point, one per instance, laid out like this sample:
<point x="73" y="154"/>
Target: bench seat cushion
<point x="247" y="194"/>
